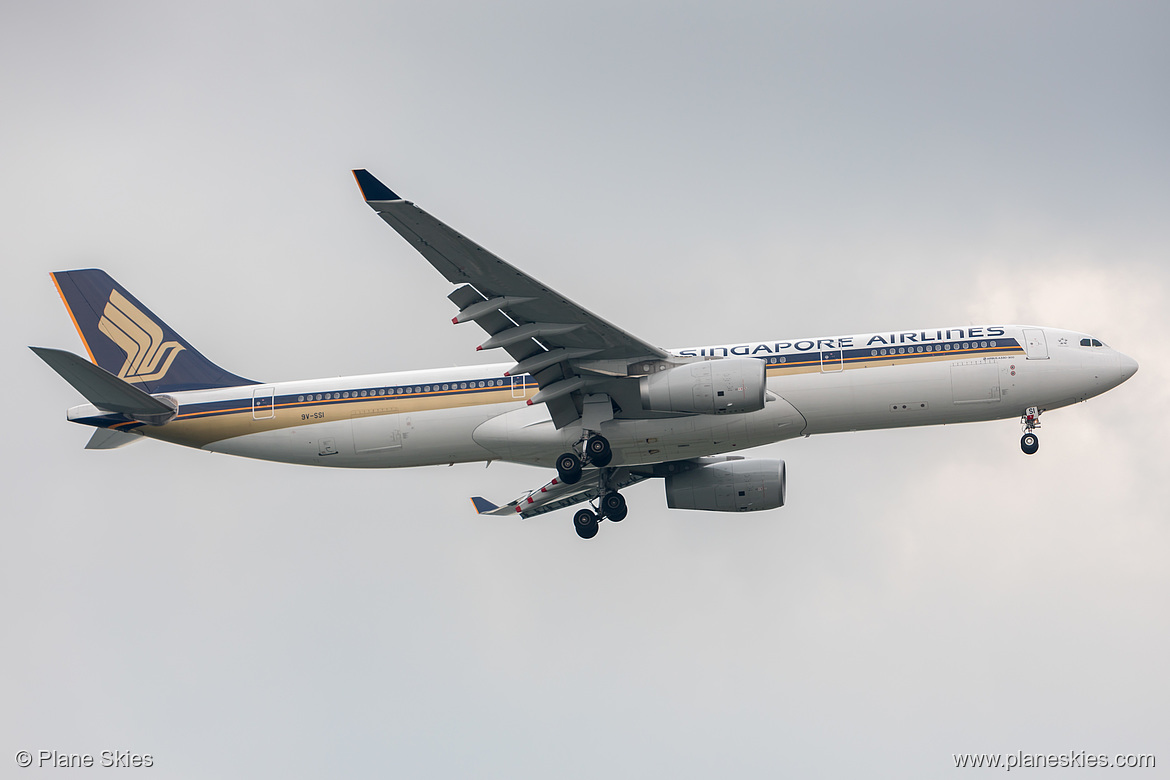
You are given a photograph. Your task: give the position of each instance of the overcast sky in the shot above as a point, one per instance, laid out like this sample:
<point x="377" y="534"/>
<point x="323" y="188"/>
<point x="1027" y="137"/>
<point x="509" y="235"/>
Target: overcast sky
<point x="697" y="174"/>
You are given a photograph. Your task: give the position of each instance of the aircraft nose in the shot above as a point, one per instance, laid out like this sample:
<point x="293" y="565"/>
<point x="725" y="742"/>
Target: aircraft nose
<point x="1127" y="365"/>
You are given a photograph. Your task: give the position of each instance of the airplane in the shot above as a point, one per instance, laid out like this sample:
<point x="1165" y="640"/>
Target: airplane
<point x="603" y="408"/>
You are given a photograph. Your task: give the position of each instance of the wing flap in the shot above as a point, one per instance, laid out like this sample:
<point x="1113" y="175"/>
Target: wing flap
<point x="494" y="322"/>
<point x="557" y="495"/>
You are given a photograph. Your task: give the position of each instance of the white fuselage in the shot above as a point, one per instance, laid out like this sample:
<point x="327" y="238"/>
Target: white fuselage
<point x="476" y="413"/>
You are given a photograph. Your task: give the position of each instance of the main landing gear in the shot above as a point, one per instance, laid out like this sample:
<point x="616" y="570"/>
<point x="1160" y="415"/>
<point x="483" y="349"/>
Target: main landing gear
<point x="1030" y="442"/>
<point x="597" y="453"/>
<point x="612" y="507"/>
<point x="586" y="524"/>
<point x="569" y="468"/>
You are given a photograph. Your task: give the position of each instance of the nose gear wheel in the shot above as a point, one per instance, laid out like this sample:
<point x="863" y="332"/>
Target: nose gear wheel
<point x="1029" y="443"/>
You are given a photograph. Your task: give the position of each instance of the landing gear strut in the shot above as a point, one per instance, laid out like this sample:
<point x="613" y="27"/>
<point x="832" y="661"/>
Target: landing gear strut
<point x="611" y="505"/>
<point x="1030" y="442"/>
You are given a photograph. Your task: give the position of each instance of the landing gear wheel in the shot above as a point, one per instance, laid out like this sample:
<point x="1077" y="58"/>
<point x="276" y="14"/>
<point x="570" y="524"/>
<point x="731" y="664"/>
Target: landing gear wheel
<point x="569" y="468"/>
<point x="597" y="448"/>
<point x="613" y="507"/>
<point x="1029" y="443"/>
<point x="586" y="524"/>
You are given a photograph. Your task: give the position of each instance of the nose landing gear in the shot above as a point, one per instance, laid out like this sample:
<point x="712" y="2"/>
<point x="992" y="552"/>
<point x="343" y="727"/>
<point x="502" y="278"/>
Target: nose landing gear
<point x="1030" y="442"/>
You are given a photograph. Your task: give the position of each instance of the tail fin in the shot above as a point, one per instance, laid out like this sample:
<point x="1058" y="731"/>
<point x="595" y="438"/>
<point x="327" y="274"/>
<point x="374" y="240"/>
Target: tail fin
<point x="128" y="340"/>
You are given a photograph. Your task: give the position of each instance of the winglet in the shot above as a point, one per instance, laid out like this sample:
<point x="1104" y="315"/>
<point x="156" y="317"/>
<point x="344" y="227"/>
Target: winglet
<point x="483" y="506"/>
<point x="371" y="188"/>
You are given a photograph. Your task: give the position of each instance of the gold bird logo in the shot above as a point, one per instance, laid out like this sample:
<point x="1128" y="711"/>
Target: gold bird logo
<point x="148" y="357"/>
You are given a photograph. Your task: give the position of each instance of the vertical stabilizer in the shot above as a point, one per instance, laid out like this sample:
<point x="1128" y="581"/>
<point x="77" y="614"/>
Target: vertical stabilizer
<point x="125" y="338"/>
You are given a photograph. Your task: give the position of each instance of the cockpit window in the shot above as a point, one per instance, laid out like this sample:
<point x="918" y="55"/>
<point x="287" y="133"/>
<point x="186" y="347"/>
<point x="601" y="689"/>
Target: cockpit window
<point x="1091" y="343"/>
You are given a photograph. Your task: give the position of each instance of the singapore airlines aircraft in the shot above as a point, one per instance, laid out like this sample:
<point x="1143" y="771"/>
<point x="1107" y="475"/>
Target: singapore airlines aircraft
<point x="602" y="407"/>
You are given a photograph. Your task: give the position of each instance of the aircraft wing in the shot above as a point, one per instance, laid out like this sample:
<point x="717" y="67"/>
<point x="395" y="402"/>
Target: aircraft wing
<point x="548" y="335"/>
<point x="557" y="495"/>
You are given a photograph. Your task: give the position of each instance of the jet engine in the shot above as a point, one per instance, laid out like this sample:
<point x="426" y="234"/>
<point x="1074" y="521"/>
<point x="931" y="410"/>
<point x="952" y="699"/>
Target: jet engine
<point x="731" y="485"/>
<point x="730" y="386"/>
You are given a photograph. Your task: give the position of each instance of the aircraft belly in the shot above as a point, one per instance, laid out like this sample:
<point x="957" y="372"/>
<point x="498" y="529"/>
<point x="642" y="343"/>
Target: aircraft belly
<point x="383" y="441"/>
<point x="868" y="398"/>
<point x="934" y="393"/>
<point x="527" y="435"/>
<point x="1057" y="382"/>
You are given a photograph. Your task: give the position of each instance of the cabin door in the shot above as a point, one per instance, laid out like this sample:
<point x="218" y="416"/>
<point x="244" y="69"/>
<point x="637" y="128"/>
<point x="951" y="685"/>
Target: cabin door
<point x="832" y="360"/>
<point x="262" y="406"/>
<point x="1035" y="344"/>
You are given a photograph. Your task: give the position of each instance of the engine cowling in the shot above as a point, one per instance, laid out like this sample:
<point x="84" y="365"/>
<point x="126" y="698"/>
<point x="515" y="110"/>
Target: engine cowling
<point x="728" y="486"/>
<point x="730" y="386"/>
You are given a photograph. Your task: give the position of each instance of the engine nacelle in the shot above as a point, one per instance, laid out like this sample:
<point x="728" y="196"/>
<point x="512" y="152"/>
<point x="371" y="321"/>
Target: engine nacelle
<point x="728" y="486"/>
<point x="730" y="386"/>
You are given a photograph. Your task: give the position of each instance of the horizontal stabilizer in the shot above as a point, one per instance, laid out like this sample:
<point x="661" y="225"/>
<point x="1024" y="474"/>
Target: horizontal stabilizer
<point x="109" y="439"/>
<point x="104" y="390"/>
<point x="483" y="506"/>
